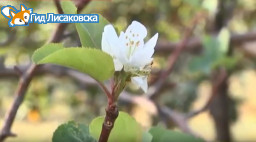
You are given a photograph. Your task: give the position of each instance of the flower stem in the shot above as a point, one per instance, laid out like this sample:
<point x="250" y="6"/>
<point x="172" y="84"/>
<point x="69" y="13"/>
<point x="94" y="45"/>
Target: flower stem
<point x="111" y="115"/>
<point x="120" y="79"/>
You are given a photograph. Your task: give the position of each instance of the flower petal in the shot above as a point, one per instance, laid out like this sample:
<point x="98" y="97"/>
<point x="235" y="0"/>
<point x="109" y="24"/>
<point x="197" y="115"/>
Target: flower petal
<point x="150" y="46"/>
<point x="105" y="45"/>
<point x="133" y="38"/>
<point x="143" y="56"/>
<point x="139" y="59"/>
<point x="111" y="46"/>
<point x="137" y="28"/>
<point x="142" y="82"/>
<point x="109" y="40"/>
<point x="123" y="56"/>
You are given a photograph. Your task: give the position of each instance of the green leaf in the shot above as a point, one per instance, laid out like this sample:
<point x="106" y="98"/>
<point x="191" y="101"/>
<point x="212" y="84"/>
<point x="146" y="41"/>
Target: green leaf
<point x="163" y="135"/>
<point x="215" y="51"/>
<point x="72" y="132"/>
<point x="229" y="62"/>
<point x="91" y="33"/>
<point x="68" y="7"/>
<point x="147" y="137"/>
<point x="203" y="63"/>
<point x="46" y="50"/>
<point x="223" y="39"/>
<point x="126" y="129"/>
<point x="93" y="62"/>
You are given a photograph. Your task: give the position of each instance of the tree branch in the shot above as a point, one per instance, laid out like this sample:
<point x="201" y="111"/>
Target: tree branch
<point x="194" y="44"/>
<point x="19" y="96"/>
<point x="166" y="114"/>
<point x="58" y="6"/>
<point x="26" y="79"/>
<point x="154" y="90"/>
<point x="110" y="117"/>
<point x="217" y="84"/>
<point x="49" y="69"/>
<point x="178" y="118"/>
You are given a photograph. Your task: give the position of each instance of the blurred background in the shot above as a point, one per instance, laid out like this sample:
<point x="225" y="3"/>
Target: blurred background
<point x="216" y="68"/>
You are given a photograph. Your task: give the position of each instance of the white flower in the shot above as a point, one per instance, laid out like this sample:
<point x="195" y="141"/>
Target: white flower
<point x="129" y="51"/>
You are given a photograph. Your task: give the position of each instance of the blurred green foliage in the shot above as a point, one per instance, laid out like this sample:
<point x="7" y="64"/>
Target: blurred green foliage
<point x="161" y="135"/>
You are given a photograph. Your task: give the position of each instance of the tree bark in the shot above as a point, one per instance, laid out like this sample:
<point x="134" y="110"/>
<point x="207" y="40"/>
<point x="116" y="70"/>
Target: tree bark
<point x="219" y="111"/>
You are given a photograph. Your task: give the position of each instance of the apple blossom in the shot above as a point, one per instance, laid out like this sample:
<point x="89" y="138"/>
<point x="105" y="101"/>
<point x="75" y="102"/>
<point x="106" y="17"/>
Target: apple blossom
<point x="129" y="51"/>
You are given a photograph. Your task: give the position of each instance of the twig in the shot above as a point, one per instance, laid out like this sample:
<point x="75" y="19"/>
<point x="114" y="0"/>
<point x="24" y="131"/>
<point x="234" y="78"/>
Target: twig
<point x="18" y="70"/>
<point x="58" y="6"/>
<point x="108" y="124"/>
<point x="168" y="115"/>
<point x="25" y="81"/>
<point x="62" y="26"/>
<point x="50" y="69"/>
<point x="221" y="78"/>
<point x="118" y="85"/>
<point x="194" y="44"/>
<point x="104" y="89"/>
<point x="178" y="118"/>
<point x="172" y="60"/>
<point x="81" y="4"/>
<point x="110" y="118"/>
<point x="19" y="96"/>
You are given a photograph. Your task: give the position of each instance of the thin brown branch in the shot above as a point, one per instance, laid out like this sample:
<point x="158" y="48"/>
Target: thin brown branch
<point x="194" y="44"/>
<point x="109" y="121"/>
<point x="18" y="70"/>
<point x="81" y="4"/>
<point x="217" y="84"/>
<point x="52" y="70"/>
<point x="118" y="85"/>
<point x="154" y="90"/>
<point x="104" y="89"/>
<point x="25" y="81"/>
<point x="178" y="118"/>
<point x="59" y="32"/>
<point x="57" y="35"/>
<point x="58" y="6"/>
<point x="110" y="118"/>
<point x="19" y="96"/>
<point x="166" y="114"/>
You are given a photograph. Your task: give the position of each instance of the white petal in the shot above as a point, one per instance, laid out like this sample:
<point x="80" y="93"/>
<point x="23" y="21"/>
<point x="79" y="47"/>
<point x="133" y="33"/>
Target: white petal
<point x="105" y="45"/>
<point x="141" y="82"/>
<point x="123" y="51"/>
<point x="110" y="40"/>
<point x="139" y="59"/>
<point x="111" y="45"/>
<point x="150" y="46"/>
<point x="137" y="28"/>
<point x="118" y="65"/>
<point x="143" y="56"/>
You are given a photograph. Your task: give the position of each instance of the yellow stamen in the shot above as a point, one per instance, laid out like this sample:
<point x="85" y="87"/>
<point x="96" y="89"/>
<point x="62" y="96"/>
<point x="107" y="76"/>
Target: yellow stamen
<point x="137" y="43"/>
